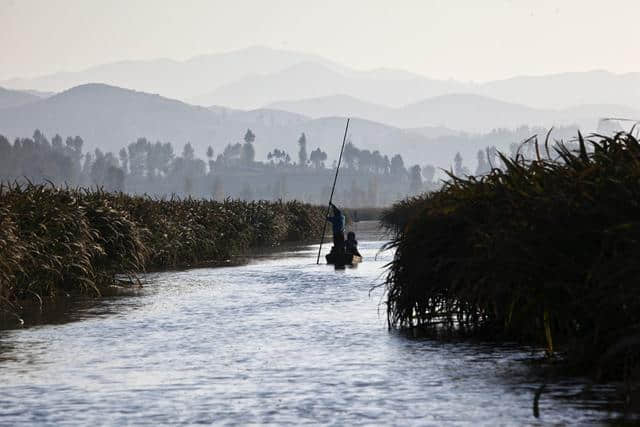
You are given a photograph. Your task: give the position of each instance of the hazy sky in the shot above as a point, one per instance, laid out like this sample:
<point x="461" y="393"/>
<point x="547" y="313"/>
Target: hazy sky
<point x="468" y="40"/>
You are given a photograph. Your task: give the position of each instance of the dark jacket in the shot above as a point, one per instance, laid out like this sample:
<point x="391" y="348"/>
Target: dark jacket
<point x="337" y="220"/>
<point x="351" y="246"/>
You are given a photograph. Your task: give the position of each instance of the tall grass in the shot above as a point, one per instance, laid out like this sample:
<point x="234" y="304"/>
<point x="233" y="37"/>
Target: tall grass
<point x="543" y="251"/>
<point x="55" y="240"/>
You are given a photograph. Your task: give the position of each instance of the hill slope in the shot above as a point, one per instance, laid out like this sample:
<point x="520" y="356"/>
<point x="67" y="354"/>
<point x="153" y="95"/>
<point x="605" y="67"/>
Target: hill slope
<point x="258" y="76"/>
<point x="110" y="117"/>
<point x="312" y="79"/>
<point x="462" y="112"/>
<point x="14" y="98"/>
<point x="176" y="79"/>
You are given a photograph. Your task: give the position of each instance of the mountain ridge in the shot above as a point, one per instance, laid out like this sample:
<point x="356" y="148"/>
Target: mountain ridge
<point x="257" y="76"/>
<point x="109" y="118"/>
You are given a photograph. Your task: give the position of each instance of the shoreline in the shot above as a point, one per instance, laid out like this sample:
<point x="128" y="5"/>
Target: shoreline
<point x="53" y="309"/>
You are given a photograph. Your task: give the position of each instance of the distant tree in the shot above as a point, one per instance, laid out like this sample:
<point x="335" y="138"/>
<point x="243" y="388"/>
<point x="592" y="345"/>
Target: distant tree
<point x="318" y="158"/>
<point x="428" y="172"/>
<point x="210" y="157"/>
<point x="40" y="139"/>
<point x="56" y="143"/>
<point x="302" y="153"/>
<point x="86" y="169"/>
<point x="138" y="157"/>
<point x="230" y="155"/>
<point x="103" y="171"/>
<point x="397" y="168"/>
<point x="72" y="149"/>
<point x="249" y="137"/>
<point x="415" y="179"/>
<point x="364" y="160"/>
<point x="279" y="157"/>
<point x="248" y="154"/>
<point x="350" y="155"/>
<point x="6" y="154"/>
<point x="124" y="159"/>
<point x="457" y="164"/>
<point x="459" y="169"/>
<point x="378" y="162"/>
<point x="74" y="145"/>
<point x="386" y="165"/>
<point x="483" y="165"/>
<point x="114" y="179"/>
<point x="188" y="153"/>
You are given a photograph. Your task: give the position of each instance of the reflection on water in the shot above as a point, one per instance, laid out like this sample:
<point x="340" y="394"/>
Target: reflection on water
<point x="280" y="340"/>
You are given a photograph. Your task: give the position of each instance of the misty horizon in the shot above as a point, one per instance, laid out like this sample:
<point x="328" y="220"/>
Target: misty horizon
<point x="493" y="40"/>
<point x="378" y="68"/>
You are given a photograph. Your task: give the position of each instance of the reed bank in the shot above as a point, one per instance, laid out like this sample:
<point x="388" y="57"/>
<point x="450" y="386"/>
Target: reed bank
<point x="542" y="251"/>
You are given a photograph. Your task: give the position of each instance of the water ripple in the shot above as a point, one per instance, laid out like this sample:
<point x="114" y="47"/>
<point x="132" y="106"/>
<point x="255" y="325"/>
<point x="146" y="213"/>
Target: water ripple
<point x="278" y="341"/>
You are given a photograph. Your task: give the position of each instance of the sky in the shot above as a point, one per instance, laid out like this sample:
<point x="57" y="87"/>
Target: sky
<point x="470" y="40"/>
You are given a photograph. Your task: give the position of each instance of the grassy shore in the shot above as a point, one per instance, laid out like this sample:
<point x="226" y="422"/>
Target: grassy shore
<point x="64" y="241"/>
<point x="542" y="251"/>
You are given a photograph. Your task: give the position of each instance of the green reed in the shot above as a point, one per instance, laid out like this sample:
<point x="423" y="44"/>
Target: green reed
<point x="539" y="251"/>
<point x="57" y="241"/>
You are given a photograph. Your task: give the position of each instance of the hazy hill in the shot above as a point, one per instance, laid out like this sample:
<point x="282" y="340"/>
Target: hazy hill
<point x="467" y="112"/>
<point x="258" y="76"/>
<point x="566" y="89"/>
<point x="335" y="105"/>
<point x="312" y="79"/>
<point x="14" y="98"/>
<point x="175" y="79"/>
<point x="393" y="88"/>
<point x="110" y="117"/>
<point x="455" y="112"/>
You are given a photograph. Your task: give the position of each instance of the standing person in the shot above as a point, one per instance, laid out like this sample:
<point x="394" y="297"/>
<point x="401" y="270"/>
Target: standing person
<point x="337" y="220"/>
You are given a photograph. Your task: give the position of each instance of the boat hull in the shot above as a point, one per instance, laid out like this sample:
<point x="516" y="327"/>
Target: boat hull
<point x="338" y="259"/>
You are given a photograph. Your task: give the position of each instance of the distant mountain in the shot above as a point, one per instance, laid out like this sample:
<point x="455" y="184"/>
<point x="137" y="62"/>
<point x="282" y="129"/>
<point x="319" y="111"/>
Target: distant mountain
<point x="110" y="117"/>
<point x="566" y="89"/>
<point x="433" y="132"/>
<point x="175" y="79"/>
<point x="455" y="112"/>
<point x="39" y="93"/>
<point x="257" y="77"/>
<point x="15" y="98"/>
<point x="393" y="88"/>
<point x="312" y="79"/>
<point x="467" y="112"/>
<point x="335" y="105"/>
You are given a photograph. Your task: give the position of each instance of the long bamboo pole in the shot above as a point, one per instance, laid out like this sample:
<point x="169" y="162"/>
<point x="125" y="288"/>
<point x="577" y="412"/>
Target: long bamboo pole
<point x="335" y="179"/>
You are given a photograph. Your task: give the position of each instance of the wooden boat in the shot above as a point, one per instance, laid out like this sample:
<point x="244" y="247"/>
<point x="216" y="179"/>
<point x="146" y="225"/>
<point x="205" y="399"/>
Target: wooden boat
<point x="342" y="259"/>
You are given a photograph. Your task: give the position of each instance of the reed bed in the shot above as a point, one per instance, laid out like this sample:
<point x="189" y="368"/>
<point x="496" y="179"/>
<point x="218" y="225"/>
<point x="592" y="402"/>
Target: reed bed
<point x="540" y="251"/>
<point x="57" y="241"/>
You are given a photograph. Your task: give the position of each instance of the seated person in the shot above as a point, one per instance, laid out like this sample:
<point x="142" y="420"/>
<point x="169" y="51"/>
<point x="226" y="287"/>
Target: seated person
<point x="351" y="245"/>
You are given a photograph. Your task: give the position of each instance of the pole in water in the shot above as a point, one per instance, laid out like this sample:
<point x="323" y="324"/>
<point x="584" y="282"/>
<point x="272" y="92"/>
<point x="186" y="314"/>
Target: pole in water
<point x="335" y="179"/>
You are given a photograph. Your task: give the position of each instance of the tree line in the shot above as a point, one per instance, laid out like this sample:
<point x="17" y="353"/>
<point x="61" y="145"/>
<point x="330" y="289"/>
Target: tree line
<point x="368" y="178"/>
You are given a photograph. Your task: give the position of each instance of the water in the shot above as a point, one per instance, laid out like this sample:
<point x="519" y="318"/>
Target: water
<point x="278" y="341"/>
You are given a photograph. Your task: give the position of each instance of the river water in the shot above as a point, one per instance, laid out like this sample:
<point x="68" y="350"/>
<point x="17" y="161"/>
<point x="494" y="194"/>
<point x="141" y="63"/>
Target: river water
<point x="278" y="341"/>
